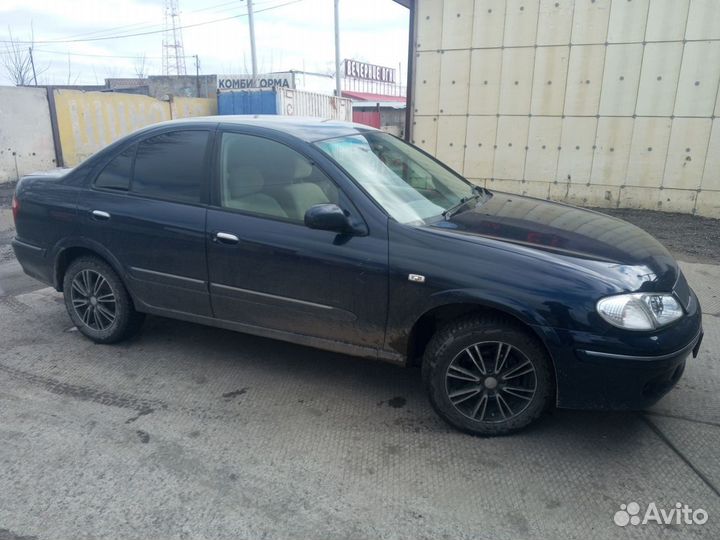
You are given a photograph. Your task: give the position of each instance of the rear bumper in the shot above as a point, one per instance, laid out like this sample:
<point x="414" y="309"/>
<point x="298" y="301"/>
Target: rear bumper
<point x="619" y="376"/>
<point x="33" y="260"/>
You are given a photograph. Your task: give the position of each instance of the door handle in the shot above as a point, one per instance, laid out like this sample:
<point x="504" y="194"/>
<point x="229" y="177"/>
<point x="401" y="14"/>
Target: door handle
<point x="226" y="238"/>
<point x="100" y="215"/>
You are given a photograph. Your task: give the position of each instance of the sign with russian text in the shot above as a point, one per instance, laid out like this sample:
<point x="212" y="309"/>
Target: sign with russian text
<point x="368" y="72"/>
<point x="245" y="82"/>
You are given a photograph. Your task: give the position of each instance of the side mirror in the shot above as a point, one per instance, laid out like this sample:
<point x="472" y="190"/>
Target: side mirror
<point x="330" y="217"/>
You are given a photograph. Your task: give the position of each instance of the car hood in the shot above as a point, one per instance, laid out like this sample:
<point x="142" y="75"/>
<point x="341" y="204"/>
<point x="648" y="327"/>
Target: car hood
<point x="593" y="240"/>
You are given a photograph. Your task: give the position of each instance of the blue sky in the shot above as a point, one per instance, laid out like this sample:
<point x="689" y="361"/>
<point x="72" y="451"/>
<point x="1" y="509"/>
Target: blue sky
<point x="298" y="35"/>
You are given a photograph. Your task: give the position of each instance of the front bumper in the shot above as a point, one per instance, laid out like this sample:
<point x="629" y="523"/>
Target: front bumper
<point x="621" y="370"/>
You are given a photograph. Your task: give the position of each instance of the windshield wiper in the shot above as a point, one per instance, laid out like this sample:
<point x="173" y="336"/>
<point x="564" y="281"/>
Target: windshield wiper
<point x="465" y="202"/>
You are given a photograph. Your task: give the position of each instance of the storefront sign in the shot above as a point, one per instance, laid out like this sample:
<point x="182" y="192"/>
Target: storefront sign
<point x="368" y="72"/>
<point x="243" y="82"/>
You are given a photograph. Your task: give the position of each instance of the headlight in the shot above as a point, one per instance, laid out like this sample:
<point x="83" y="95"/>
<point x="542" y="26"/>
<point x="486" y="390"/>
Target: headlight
<point x="640" y="311"/>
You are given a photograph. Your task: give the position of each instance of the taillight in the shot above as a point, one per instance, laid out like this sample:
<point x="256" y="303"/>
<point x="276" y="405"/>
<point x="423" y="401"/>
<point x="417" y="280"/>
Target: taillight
<point x="15" y="208"/>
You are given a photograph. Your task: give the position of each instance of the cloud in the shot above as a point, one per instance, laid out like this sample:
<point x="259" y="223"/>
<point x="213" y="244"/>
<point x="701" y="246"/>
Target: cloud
<point x="296" y="36"/>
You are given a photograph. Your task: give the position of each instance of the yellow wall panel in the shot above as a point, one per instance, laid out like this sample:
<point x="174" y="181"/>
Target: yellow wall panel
<point x="457" y="24"/>
<point x="659" y="78"/>
<point x="88" y="121"/>
<point x="488" y="23"/>
<point x="699" y="75"/>
<point x="480" y="152"/>
<point x="612" y="147"/>
<point x="548" y="92"/>
<point x="689" y="139"/>
<point x="621" y="76"/>
<point x="184" y="107"/>
<point x="555" y="22"/>
<point x="648" y="152"/>
<point x="584" y="82"/>
<point x="516" y="85"/>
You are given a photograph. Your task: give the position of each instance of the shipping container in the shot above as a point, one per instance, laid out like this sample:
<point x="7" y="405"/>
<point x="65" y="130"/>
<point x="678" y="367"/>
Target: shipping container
<point x="286" y="102"/>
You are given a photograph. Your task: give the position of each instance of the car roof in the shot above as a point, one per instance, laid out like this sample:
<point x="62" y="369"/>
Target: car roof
<point x="308" y="129"/>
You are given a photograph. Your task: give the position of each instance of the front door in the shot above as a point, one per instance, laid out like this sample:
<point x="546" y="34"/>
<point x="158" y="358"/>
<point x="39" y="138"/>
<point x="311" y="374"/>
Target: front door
<point x="268" y="270"/>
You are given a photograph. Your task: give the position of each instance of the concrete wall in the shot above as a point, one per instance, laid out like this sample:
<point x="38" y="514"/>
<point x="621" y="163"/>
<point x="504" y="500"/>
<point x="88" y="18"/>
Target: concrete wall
<point x="26" y="141"/>
<point x="182" y="85"/>
<point x="182" y="107"/>
<point x="89" y="121"/>
<point x="595" y="102"/>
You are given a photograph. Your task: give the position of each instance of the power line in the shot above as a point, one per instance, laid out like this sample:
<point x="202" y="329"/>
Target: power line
<point x="134" y="56"/>
<point x="25" y="42"/>
<point x="148" y="24"/>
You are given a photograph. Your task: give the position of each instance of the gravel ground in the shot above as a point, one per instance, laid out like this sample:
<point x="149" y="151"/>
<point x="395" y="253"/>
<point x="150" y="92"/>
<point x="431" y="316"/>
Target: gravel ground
<point x="6" y="193"/>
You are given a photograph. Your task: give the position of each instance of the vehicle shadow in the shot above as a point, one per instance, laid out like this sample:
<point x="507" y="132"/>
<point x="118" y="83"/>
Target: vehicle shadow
<point x="385" y="393"/>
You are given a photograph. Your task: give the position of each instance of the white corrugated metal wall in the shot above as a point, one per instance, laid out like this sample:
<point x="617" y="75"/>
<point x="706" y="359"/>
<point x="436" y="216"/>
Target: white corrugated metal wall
<point x="596" y="102"/>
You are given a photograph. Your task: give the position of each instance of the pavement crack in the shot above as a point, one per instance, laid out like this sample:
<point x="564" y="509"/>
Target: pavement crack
<point x="680" y="454"/>
<point x="686" y="418"/>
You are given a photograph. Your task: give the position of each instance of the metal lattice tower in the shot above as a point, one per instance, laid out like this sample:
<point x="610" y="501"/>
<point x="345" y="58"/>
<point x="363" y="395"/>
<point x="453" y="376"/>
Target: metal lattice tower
<point x="173" y="51"/>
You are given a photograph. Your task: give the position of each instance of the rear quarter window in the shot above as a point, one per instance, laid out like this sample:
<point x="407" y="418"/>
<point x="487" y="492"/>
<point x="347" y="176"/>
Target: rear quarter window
<point x="171" y="166"/>
<point x="116" y="174"/>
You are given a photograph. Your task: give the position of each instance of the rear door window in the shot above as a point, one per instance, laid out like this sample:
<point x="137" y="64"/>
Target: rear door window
<point x="116" y="174"/>
<point x="172" y="166"/>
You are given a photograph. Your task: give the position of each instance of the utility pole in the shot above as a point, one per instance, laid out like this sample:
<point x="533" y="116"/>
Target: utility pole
<point x="32" y="63"/>
<point x="251" y="23"/>
<point x="197" y="74"/>
<point x="338" y="90"/>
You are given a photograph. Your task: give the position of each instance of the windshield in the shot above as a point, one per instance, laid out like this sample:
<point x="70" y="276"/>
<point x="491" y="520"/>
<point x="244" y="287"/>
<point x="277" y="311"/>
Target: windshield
<point x="409" y="185"/>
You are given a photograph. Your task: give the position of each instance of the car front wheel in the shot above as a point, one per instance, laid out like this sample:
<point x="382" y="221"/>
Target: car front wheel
<point x="97" y="301"/>
<point x="486" y="376"/>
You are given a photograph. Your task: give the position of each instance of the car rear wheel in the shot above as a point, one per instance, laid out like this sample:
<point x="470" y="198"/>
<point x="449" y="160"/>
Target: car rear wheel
<point x="97" y="301"/>
<point x="486" y="376"/>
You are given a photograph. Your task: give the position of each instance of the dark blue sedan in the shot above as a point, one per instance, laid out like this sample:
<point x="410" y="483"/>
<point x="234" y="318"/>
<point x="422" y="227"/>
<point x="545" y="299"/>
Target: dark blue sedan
<point x="341" y="237"/>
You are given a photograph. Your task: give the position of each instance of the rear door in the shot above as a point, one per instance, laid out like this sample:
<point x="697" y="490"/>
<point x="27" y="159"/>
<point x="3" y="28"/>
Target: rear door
<point x="148" y="207"/>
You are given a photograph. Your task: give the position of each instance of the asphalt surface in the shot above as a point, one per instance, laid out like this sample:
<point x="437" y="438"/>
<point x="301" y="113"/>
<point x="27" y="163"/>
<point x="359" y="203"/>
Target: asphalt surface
<point x="194" y="432"/>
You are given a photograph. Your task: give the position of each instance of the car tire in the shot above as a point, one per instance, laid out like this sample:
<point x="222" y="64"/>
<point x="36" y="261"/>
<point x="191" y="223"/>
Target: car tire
<point x="98" y="302"/>
<point x="517" y="384"/>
